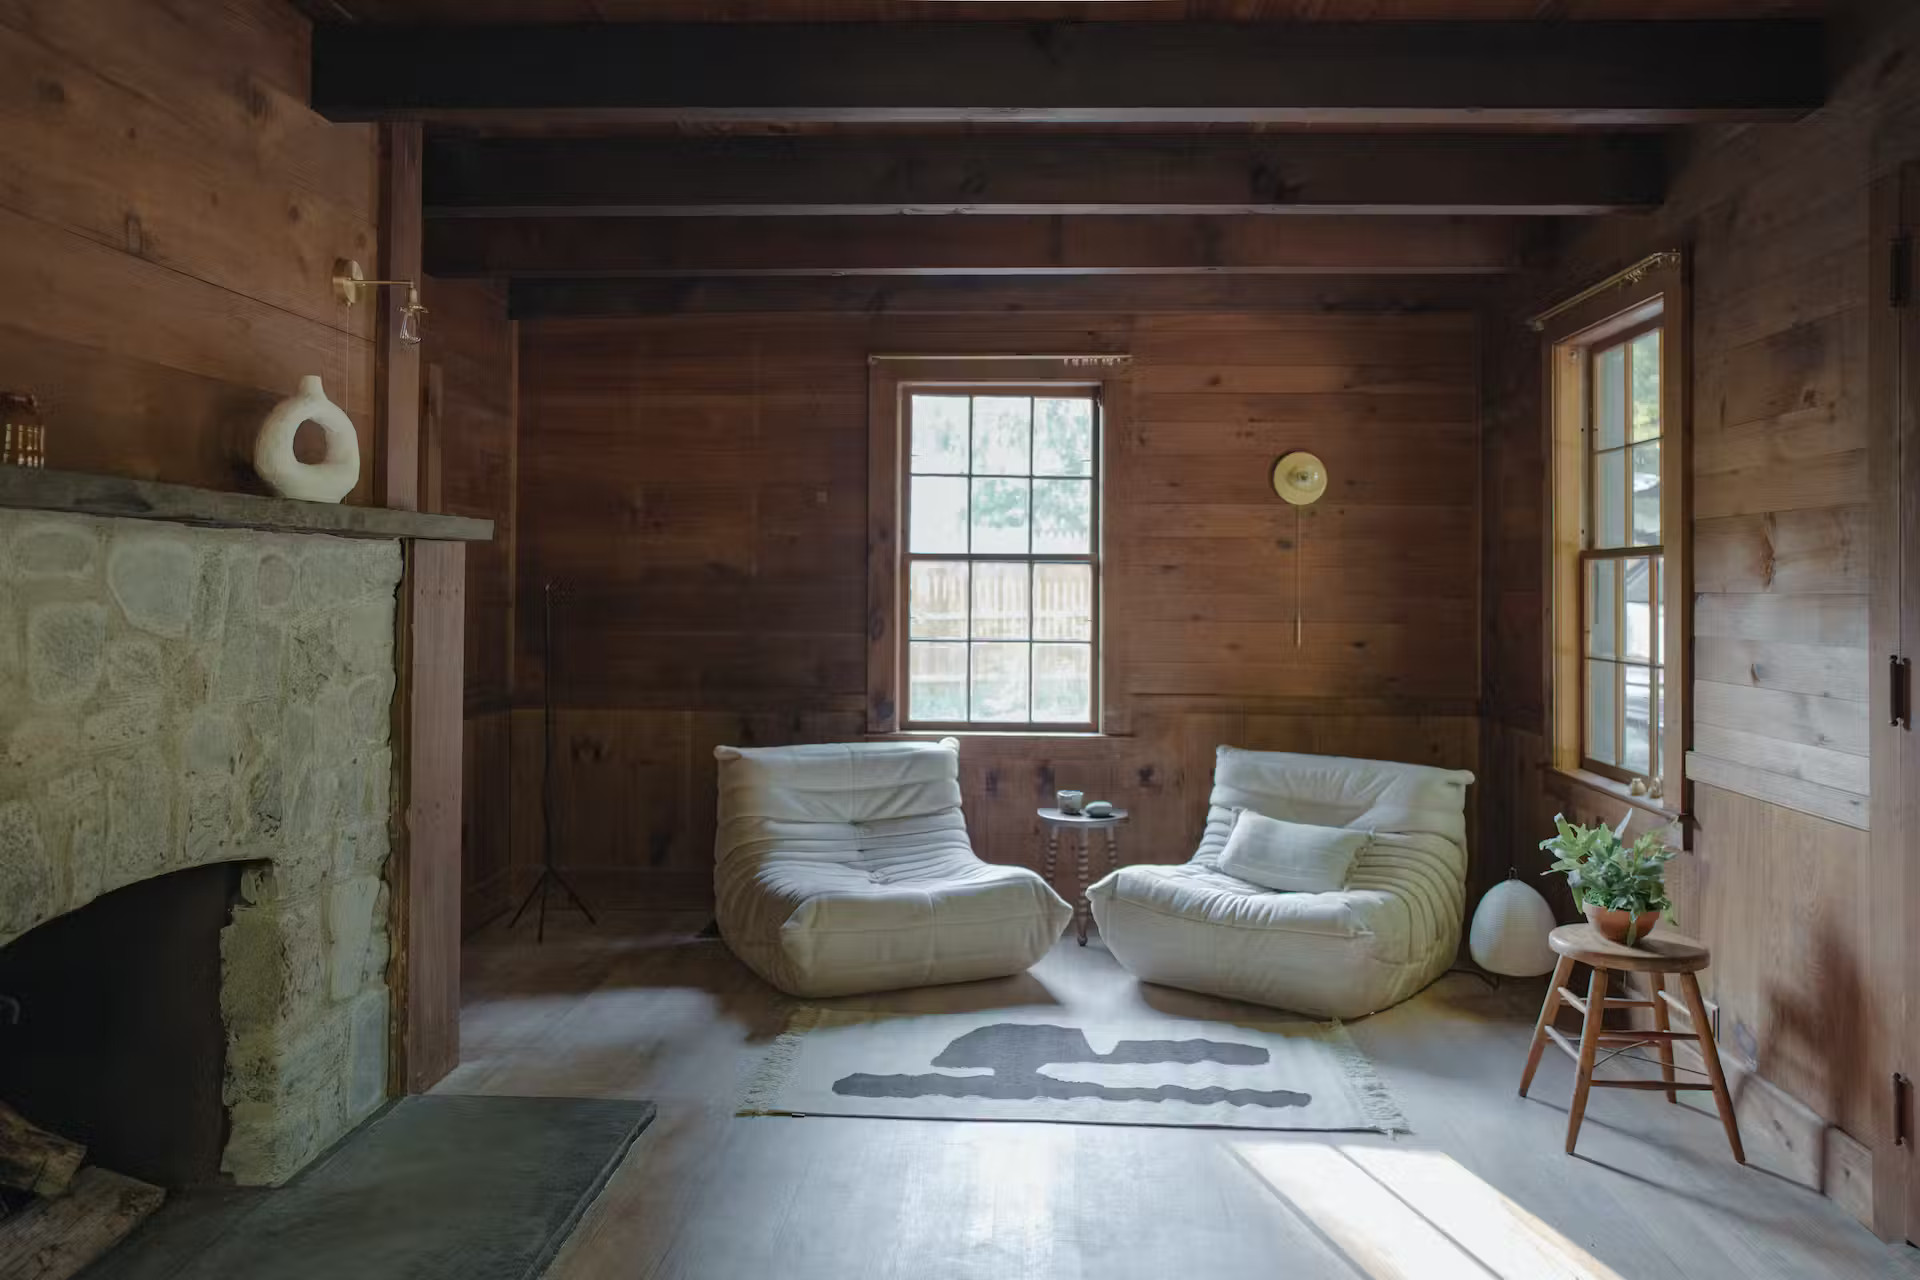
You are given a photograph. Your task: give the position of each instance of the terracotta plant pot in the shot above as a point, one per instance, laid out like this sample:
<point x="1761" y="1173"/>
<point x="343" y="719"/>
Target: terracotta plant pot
<point x="1613" y="925"/>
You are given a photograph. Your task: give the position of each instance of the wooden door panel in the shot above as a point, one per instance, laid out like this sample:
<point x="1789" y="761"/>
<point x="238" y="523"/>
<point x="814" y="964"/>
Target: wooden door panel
<point x="1894" y="633"/>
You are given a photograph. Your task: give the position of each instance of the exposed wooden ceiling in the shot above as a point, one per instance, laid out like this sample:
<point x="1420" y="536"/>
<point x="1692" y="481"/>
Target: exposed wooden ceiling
<point x="1010" y="245"/>
<point x="1384" y="74"/>
<point x="541" y="11"/>
<point x="702" y="145"/>
<point x="838" y="175"/>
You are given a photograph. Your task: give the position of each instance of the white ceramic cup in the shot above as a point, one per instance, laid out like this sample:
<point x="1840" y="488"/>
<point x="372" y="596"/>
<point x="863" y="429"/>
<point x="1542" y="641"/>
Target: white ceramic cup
<point x="1070" y="802"/>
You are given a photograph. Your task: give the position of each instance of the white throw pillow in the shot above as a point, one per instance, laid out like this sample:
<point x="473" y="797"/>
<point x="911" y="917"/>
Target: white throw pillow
<point x="1291" y="856"/>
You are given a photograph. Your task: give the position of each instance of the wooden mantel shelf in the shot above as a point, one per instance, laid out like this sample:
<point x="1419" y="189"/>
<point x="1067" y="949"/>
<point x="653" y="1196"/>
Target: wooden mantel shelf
<point x="126" y="498"/>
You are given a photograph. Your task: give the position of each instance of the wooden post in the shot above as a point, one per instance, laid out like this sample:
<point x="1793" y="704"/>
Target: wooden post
<point x="433" y="403"/>
<point x="397" y="365"/>
<point x="426" y="878"/>
<point x="424" y="873"/>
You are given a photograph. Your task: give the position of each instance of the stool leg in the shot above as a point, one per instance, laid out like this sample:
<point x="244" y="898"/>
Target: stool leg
<point x="1589" y="1048"/>
<point x="1662" y="1022"/>
<point x="1053" y="855"/>
<point x="1082" y="909"/>
<point x="1562" y="971"/>
<point x="1703" y="1027"/>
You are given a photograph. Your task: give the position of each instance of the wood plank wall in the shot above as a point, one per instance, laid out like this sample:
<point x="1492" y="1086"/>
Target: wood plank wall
<point x="470" y="361"/>
<point x="1775" y="219"/>
<point x="697" y="485"/>
<point x="170" y="213"/>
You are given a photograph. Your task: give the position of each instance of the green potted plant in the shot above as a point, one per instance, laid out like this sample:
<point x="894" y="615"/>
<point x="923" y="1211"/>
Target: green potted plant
<point x="1622" y="887"/>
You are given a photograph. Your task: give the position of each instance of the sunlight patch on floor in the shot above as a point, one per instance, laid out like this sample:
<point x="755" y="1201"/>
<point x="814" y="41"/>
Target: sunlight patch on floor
<point x="1397" y="1213"/>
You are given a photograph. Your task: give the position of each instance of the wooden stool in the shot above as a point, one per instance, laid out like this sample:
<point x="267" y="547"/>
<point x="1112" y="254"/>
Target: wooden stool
<point x="1657" y="955"/>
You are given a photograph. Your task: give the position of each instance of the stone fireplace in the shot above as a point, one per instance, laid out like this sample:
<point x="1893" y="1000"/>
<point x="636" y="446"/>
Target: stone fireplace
<point x="175" y="697"/>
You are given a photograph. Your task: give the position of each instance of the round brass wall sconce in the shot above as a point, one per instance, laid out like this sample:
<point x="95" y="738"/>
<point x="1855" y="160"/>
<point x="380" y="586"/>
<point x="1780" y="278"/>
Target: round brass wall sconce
<point x="1300" y="478"/>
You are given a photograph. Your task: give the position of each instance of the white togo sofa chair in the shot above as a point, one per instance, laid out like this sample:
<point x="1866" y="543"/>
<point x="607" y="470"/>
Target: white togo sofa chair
<point x="846" y="868"/>
<point x="1390" y="932"/>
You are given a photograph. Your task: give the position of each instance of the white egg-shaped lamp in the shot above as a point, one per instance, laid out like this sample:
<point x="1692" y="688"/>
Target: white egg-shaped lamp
<point x="1510" y="928"/>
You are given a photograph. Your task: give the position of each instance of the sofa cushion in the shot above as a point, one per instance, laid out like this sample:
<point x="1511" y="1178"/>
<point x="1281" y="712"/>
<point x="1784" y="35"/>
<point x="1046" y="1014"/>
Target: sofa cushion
<point x="823" y="794"/>
<point x="1339" y="791"/>
<point x="1290" y="857"/>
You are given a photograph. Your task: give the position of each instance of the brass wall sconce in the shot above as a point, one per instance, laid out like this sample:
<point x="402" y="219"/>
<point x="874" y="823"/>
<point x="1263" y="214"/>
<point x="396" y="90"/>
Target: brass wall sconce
<point x="349" y="284"/>
<point x="1300" y="479"/>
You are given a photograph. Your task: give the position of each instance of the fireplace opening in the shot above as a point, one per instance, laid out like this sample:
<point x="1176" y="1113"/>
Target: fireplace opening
<point x="118" y="1041"/>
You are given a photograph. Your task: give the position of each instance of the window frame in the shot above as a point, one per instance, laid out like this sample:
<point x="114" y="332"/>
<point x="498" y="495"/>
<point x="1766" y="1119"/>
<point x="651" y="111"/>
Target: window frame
<point x="1656" y="301"/>
<point x="1629" y="550"/>
<point x="893" y="381"/>
<point x="1030" y="558"/>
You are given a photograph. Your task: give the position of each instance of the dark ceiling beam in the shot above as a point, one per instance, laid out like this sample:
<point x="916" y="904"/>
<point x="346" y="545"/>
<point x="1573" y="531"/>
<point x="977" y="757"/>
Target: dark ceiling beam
<point x="1376" y="73"/>
<point x="1074" y="174"/>
<point x="1305" y="245"/>
<point x="1010" y="296"/>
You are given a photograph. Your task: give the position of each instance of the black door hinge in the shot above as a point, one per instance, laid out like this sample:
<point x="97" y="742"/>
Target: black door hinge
<point x="1899" y="692"/>
<point x="1900" y="1086"/>
<point x="1900" y="270"/>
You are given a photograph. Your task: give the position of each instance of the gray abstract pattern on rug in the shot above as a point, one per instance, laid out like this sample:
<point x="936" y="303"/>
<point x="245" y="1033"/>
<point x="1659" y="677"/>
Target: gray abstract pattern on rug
<point x="1016" y="1051"/>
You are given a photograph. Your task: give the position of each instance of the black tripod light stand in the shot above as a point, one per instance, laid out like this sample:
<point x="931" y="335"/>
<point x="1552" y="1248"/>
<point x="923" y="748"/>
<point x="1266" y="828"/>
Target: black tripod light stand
<point x="549" y="873"/>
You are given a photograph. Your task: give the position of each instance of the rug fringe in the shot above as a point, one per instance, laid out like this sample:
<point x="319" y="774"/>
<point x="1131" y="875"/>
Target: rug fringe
<point x="1377" y="1101"/>
<point x="770" y="1077"/>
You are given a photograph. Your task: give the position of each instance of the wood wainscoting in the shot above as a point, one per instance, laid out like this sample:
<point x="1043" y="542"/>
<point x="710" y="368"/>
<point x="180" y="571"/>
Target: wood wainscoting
<point x="696" y="485"/>
<point x="634" y="795"/>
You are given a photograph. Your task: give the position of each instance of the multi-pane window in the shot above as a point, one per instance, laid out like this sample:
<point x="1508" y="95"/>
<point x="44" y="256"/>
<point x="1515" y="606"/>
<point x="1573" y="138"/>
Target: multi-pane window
<point x="1622" y="667"/>
<point x="1001" y="565"/>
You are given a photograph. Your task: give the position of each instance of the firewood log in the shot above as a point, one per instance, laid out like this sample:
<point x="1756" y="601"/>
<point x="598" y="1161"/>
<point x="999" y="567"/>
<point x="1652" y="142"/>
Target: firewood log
<point x="32" y="1159"/>
<point x="56" y="1239"/>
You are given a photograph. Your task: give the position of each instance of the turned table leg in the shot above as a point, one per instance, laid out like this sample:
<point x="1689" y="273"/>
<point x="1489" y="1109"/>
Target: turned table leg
<point x="1083" y="909"/>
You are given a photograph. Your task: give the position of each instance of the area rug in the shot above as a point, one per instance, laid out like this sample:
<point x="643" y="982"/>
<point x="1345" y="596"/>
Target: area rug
<point x="434" y="1188"/>
<point x="1038" y="1065"/>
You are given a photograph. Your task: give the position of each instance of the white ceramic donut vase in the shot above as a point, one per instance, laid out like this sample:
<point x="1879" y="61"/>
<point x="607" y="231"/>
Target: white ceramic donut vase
<point x="328" y="480"/>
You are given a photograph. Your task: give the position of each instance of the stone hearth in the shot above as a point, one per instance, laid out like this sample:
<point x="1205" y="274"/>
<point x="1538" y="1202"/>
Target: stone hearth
<point x="172" y="697"/>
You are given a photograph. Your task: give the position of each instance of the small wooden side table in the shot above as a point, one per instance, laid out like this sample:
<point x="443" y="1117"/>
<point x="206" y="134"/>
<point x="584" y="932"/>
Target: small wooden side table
<point x="1056" y="821"/>
<point x="1657" y="955"/>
